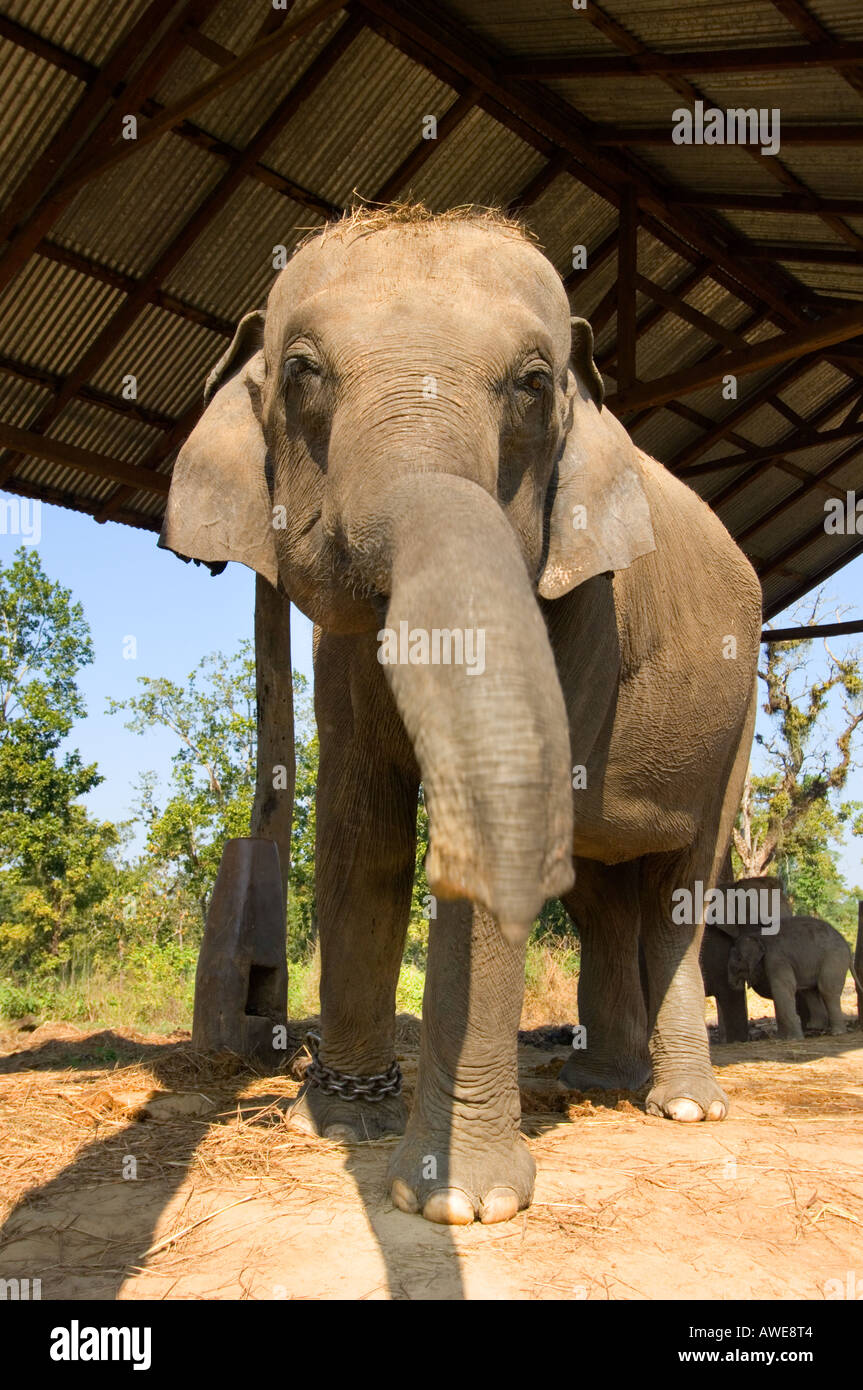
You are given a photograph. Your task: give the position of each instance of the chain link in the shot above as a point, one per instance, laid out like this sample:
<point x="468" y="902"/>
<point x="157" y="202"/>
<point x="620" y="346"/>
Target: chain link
<point x="347" y="1087"/>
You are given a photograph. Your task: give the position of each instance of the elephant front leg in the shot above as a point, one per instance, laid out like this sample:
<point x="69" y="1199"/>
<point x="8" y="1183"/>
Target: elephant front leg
<point x="463" y="1156"/>
<point x="733" y="1013"/>
<point x="365" y="857"/>
<point x="783" y="990"/>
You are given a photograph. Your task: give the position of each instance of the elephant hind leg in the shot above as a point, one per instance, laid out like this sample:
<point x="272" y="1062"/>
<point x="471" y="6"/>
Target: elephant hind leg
<point x="684" y="1087"/>
<point x="610" y="1048"/>
<point x="831" y="982"/>
<point x="812" y="1011"/>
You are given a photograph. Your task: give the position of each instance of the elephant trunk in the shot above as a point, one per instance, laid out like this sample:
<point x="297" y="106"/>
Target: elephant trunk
<point x="468" y="658"/>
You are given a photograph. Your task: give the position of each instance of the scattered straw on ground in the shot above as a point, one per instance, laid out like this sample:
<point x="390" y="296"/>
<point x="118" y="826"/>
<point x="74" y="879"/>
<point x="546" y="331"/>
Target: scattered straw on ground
<point x="228" y="1201"/>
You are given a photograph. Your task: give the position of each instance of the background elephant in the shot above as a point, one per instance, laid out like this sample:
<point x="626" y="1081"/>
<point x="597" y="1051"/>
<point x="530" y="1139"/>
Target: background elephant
<point x="715" y="950"/>
<point x="411" y="440"/>
<point x="805" y="955"/>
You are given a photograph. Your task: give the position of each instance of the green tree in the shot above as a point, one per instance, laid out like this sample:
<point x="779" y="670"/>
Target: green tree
<point x="209" y="797"/>
<point x="212" y="783"/>
<point x="792" y="816"/>
<point x="54" y="856"/>
<point x="302" y="915"/>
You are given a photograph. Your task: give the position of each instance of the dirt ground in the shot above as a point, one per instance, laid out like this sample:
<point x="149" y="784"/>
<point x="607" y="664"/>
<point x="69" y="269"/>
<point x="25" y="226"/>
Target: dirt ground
<point x="131" y="1169"/>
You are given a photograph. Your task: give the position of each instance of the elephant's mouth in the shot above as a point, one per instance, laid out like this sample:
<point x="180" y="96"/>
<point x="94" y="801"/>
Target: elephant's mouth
<point x="325" y="582"/>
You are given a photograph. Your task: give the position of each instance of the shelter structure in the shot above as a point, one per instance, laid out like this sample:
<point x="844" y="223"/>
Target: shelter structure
<point x="156" y="152"/>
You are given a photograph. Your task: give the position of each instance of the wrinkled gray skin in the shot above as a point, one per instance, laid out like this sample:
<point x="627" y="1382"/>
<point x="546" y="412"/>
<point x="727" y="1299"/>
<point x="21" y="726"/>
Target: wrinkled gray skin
<point x="428" y="416"/>
<point x="806" y="954"/>
<point x="715" y="950"/>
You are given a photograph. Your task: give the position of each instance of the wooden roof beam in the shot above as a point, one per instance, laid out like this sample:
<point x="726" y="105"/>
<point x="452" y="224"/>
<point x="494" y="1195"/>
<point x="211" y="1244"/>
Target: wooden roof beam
<point x="815" y="32"/>
<point x="83" y="460"/>
<point x="722" y="429"/>
<point x="172" y="303"/>
<point x="132" y="410"/>
<point x="796" y="548"/>
<point x="682" y="86"/>
<point x="775" y="58"/>
<point x="803" y="634"/>
<point x="810" y="133"/>
<point x="627" y="274"/>
<point x="756" y="471"/>
<point x="158" y="455"/>
<point x="52" y="53"/>
<point x="24" y="487"/>
<point x="781" y="348"/>
<point x="816" y="577"/>
<point x="796" y="445"/>
<point x="802" y="252"/>
<point x="422" y="152"/>
<point x="810" y="483"/>
<point x="786" y="203"/>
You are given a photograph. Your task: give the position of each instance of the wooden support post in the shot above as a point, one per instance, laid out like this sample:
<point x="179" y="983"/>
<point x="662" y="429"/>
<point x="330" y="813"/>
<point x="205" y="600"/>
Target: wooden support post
<point x="241" y="984"/>
<point x="859" y="962"/>
<point x="273" y="808"/>
<point x="627" y="269"/>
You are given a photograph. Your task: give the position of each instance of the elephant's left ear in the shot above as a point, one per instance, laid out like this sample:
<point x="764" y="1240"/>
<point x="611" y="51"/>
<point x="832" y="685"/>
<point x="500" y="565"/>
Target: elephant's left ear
<point x="599" y="518"/>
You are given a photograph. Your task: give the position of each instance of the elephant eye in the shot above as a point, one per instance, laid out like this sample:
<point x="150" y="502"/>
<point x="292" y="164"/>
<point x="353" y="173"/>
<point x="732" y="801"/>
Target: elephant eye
<point x="535" y="381"/>
<point x="297" y="366"/>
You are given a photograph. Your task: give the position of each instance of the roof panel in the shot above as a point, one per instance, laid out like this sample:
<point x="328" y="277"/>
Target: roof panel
<point x="34" y="106"/>
<point x="128" y="216"/>
<point x="337" y="143"/>
<point x="89" y="28"/>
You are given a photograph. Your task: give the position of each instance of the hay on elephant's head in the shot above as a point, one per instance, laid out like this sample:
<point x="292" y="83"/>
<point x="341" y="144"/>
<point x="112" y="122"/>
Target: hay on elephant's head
<point x="363" y="219"/>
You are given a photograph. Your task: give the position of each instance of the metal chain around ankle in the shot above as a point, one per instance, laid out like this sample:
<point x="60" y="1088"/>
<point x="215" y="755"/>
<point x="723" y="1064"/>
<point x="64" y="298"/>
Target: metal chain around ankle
<point x="345" y="1086"/>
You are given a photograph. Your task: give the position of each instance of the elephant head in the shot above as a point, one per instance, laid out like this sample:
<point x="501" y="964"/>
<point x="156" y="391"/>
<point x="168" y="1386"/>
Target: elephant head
<point x="744" y="958"/>
<point x="413" y="433"/>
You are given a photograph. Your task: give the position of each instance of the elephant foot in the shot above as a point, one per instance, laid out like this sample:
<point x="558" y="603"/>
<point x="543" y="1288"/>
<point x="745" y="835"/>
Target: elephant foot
<point x="349" y="1121"/>
<point x="626" y="1074"/>
<point x="430" y="1173"/>
<point x="688" y="1098"/>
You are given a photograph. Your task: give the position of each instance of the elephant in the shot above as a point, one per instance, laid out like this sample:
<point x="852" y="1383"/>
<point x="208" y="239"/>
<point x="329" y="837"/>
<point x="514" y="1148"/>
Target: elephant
<point x="514" y="607"/>
<point x="715" y="949"/>
<point x="806" y="955"/>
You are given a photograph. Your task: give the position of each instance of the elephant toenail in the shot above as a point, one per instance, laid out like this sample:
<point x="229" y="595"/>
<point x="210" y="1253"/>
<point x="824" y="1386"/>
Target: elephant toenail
<point x="449" y="1207"/>
<point x="404" y="1197"/>
<point x="342" y="1133"/>
<point x="684" y="1110"/>
<point x="717" y="1111"/>
<point x="500" y="1204"/>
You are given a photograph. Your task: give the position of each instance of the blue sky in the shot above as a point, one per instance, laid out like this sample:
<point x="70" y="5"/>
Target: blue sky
<point x="179" y="613"/>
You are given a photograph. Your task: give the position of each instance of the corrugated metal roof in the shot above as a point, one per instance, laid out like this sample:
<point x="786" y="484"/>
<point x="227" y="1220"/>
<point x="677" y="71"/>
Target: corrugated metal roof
<point x="350" y="135"/>
<point x="89" y="28"/>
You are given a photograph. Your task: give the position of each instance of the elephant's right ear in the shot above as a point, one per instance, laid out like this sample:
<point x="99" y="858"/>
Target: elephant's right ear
<point x="219" y="506"/>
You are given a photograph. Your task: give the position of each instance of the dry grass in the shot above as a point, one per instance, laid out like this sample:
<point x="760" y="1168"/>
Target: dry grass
<point x="551" y="981"/>
<point x="769" y="1204"/>
<point x="365" y="218"/>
